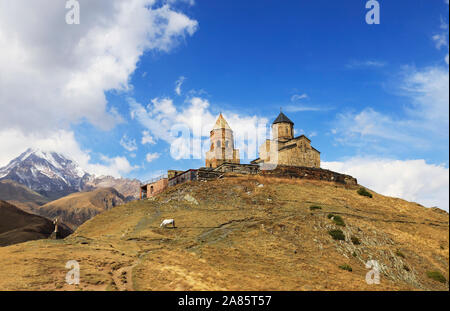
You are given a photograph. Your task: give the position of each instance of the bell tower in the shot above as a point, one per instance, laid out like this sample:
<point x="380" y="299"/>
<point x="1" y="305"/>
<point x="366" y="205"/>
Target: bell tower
<point x="222" y="145"/>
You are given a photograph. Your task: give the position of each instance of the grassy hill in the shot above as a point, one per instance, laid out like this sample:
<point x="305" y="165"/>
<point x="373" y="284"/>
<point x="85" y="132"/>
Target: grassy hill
<point x="17" y="226"/>
<point x="78" y="207"/>
<point x="21" y="196"/>
<point x="244" y="233"/>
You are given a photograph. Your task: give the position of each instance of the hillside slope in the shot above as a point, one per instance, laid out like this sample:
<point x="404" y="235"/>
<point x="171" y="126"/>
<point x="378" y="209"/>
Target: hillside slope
<point x="129" y="188"/>
<point x="17" y="226"/>
<point x="78" y="207"/>
<point x="243" y="234"/>
<point x="21" y="196"/>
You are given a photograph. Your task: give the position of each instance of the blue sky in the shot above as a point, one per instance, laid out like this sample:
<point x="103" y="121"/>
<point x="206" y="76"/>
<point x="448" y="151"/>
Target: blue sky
<point x="367" y="93"/>
<point x="252" y="57"/>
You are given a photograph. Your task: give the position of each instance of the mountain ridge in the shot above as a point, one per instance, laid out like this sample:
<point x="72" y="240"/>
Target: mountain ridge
<point x="54" y="175"/>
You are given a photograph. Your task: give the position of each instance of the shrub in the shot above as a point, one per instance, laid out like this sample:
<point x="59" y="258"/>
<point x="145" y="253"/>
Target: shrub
<point x="339" y="221"/>
<point x="399" y="254"/>
<point x="314" y="207"/>
<point x="406" y="268"/>
<point x="354" y="254"/>
<point x="337" y="234"/>
<point x="364" y="192"/>
<point x="355" y="240"/>
<point x="346" y="267"/>
<point x="437" y="276"/>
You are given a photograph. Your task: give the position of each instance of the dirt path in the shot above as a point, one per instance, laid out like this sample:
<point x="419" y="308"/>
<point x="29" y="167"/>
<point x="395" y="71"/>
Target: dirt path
<point x="123" y="278"/>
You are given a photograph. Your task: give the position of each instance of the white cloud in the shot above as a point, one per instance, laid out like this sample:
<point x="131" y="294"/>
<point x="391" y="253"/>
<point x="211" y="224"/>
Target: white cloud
<point x="152" y="156"/>
<point x="297" y="97"/>
<point x="129" y="144"/>
<point x="298" y="106"/>
<point x="14" y="142"/>
<point x="412" y="180"/>
<point x="147" y="138"/>
<point x="178" y="85"/>
<point x="423" y="126"/>
<point x="54" y="74"/>
<point x="194" y="121"/>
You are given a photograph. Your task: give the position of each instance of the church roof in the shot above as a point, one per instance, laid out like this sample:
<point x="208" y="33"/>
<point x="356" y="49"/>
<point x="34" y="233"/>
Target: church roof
<point x="221" y="123"/>
<point x="282" y="119"/>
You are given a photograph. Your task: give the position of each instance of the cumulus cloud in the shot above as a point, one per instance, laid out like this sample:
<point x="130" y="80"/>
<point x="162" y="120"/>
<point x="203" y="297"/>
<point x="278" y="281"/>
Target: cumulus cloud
<point x="152" y="156"/>
<point x="412" y="180"/>
<point x="54" y="73"/>
<point x="187" y="128"/>
<point x="14" y="142"/>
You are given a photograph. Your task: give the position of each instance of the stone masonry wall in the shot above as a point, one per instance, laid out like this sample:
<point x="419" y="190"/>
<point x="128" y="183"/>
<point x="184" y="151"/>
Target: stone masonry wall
<point x="310" y="173"/>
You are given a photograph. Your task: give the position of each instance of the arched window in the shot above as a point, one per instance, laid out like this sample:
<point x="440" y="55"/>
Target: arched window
<point x="218" y="144"/>
<point x="227" y="144"/>
<point x="151" y="189"/>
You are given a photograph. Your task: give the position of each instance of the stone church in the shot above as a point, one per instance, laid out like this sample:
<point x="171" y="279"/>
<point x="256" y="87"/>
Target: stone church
<point x="285" y="149"/>
<point x="222" y="145"/>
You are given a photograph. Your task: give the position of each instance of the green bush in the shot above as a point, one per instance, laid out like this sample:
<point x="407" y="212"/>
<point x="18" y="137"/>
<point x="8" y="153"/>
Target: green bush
<point x="364" y="192"/>
<point x="355" y="240"/>
<point x="354" y="254"/>
<point x="337" y="234"/>
<point x="314" y="207"/>
<point x="346" y="267"/>
<point x="399" y="254"/>
<point x="337" y="219"/>
<point x="437" y="276"/>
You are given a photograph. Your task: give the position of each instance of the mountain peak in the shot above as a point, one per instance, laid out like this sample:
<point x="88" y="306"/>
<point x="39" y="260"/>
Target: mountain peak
<point x="46" y="172"/>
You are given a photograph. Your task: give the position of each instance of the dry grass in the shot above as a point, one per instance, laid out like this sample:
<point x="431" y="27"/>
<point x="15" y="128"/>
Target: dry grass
<point x="242" y="237"/>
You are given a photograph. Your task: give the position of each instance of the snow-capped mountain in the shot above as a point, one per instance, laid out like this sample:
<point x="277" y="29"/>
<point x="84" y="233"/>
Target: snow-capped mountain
<point x="54" y="175"/>
<point x="48" y="173"/>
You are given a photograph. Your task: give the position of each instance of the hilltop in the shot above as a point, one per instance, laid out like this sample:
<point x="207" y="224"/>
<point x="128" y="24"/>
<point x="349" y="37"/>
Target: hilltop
<point x="243" y="233"/>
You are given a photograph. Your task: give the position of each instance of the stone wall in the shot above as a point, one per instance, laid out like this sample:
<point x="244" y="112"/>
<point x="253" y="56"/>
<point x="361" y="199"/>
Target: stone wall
<point x="309" y="173"/>
<point x="238" y="168"/>
<point x="295" y="152"/>
<point x="299" y="154"/>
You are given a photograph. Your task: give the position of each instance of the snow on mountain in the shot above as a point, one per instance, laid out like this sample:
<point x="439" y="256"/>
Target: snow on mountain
<point x="48" y="173"/>
<point x="54" y="175"/>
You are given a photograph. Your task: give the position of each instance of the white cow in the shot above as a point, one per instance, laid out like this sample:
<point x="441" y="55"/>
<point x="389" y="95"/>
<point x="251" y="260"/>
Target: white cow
<point x="167" y="222"/>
